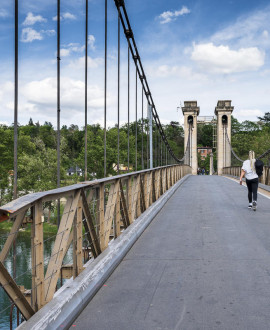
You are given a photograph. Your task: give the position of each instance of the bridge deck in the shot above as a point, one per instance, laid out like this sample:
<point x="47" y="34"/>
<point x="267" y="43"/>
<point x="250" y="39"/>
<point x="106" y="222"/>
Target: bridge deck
<point x="203" y="263"/>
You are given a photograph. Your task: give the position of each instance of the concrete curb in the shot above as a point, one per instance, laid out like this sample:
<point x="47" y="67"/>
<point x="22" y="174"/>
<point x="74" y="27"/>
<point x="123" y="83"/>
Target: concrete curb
<point x="76" y="294"/>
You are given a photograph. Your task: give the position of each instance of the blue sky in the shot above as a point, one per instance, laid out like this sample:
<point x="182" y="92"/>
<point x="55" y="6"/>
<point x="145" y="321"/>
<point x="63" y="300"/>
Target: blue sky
<point x="191" y="50"/>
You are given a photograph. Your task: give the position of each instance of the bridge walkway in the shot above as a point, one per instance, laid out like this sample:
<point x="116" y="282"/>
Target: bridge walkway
<point x="203" y="263"/>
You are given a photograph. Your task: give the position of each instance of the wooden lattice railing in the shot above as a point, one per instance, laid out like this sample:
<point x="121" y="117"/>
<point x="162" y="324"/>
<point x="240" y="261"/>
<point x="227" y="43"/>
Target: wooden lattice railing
<point x="236" y="171"/>
<point x="93" y="213"/>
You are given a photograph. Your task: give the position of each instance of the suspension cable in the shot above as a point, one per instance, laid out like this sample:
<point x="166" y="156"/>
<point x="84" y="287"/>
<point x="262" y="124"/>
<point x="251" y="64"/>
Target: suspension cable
<point x="120" y="4"/>
<point x="264" y="154"/>
<point x="233" y="152"/>
<point x="136" y="110"/>
<point x="118" y="96"/>
<point x="105" y="85"/>
<point x="128" y="99"/>
<point x="142" y="131"/>
<point x="85" y="102"/>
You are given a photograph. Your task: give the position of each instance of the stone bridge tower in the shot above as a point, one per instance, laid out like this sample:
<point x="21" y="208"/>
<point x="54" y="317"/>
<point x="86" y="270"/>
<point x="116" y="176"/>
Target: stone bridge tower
<point x="190" y="112"/>
<point x="223" y="111"/>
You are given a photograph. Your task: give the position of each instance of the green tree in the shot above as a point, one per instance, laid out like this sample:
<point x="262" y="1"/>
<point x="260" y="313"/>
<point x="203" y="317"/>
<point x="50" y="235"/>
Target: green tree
<point x="265" y="119"/>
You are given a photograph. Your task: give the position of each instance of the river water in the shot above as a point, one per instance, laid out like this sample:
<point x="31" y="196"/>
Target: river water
<point x="23" y="270"/>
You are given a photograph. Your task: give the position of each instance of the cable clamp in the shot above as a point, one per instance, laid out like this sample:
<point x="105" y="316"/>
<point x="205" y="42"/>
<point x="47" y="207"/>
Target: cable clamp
<point x="119" y="3"/>
<point x="129" y="34"/>
<point x="142" y="77"/>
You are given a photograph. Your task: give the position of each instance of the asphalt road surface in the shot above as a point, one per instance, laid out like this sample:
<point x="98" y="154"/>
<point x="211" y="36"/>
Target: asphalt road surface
<point x="203" y="263"/>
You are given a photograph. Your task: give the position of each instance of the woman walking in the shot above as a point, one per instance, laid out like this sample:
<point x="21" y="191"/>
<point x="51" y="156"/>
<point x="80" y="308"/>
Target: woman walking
<point x="249" y="171"/>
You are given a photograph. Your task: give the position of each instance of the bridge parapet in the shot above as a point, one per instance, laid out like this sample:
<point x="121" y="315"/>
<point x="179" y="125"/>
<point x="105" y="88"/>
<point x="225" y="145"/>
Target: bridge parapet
<point x="93" y="214"/>
<point x="236" y="171"/>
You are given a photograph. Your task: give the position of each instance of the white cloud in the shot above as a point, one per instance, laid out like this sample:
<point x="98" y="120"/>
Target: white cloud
<point x="244" y="113"/>
<point x="72" y="48"/>
<point x="3" y="13"/>
<point x="69" y="16"/>
<point x="168" y="16"/>
<point x="184" y="72"/>
<point x="222" y="59"/>
<point x="76" y="48"/>
<point x="92" y="62"/>
<point x="248" y="30"/>
<point x="265" y="34"/>
<point x="31" y="19"/>
<point x="29" y="35"/>
<point x="49" y="33"/>
<point x="43" y="94"/>
<point x="64" y="52"/>
<point x="91" y="41"/>
<point x="65" y="16"/>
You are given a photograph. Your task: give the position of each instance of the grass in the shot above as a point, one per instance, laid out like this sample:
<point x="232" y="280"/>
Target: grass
<point x="48" y="228"/>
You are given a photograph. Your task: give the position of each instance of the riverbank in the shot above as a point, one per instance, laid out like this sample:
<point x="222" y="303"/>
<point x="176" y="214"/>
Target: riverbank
<point x="48" y="228"/>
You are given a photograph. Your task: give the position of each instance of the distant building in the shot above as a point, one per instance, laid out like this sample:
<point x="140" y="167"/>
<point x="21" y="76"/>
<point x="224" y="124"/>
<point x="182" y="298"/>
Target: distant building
<point x="74" y="170"/>
<point x="204" y="151"/>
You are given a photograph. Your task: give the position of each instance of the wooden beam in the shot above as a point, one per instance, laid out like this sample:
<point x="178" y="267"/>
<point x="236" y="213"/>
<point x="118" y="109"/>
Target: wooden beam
<point x="164" y="180"/>
<point x="67" y="271"/>
<point x="60" y="244"/>
<point x="90" y="196"/>
<point x="70" y="239"/>
<point x="101" y="217"/>
<point x="154" y="185"/>
<point x="125" y="216"/>
<point x="167" y="178"/>
<point x="12" y="235"/>
<point x="37" y="258"/>
<point x="150" y="188"/>
<point x="160" y="190"/>
<point x="95" y="246"/>
<point x="135" y="197"/>
<point x="145" y="190"/>
<point x="77" y="241"/>
<point x="110" y="208"/>
<point x="129" y="192"/>
<point x="14" y="293"/>
<point x="143" y="208"/>
<point x="117" y="225"/>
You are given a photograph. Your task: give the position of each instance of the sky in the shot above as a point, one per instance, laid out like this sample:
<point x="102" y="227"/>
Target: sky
<point x="201" y="50"/>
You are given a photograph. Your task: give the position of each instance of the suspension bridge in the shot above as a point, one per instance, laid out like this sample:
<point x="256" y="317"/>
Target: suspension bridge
<point x="155" y="248"/>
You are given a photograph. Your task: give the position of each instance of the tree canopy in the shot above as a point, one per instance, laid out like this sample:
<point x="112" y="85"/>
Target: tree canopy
<point x="37" y="156"/>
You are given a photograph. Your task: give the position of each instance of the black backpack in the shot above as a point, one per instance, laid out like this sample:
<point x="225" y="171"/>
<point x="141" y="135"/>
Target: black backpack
<point x="259" y="167"/>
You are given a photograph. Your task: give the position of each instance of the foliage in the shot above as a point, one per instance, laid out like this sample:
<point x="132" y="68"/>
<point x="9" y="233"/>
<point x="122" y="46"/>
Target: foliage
<point x="249" y="135"/>
<point x="265" y="119"/>
<point x="37" y="144"/>
<point x="205" y="135"/>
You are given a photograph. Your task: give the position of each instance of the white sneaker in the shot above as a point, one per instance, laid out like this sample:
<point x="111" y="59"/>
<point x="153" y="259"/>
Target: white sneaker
<point x="254" y="205"/>
<point x="250" y="205"/>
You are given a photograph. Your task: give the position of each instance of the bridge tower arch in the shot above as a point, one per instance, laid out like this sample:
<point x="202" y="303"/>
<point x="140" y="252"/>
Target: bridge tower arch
<point x="191" y="111"/>
<point x="223" y="111"/>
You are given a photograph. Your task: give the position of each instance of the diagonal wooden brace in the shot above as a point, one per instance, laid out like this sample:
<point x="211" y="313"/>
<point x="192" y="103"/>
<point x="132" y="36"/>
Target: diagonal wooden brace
<point x="15" y="293"/>
<point x="12" y="236"/>
<point x="124" y="210"/>
<point x="95" y="247"/>
<point x="60" y="245"/>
